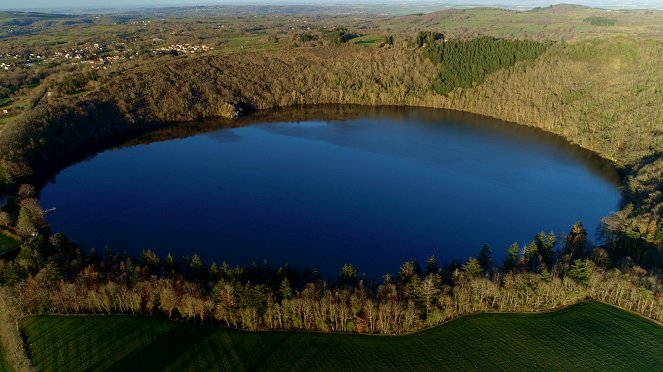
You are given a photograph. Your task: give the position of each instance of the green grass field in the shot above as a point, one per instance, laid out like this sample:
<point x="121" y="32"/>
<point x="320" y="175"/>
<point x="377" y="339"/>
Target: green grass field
<point x="3" y="363"/>
<point x="368" y="40"/>
<point x="7" y="243"/>
<point x="588" y="336"/>
<point x="561" y="22"/>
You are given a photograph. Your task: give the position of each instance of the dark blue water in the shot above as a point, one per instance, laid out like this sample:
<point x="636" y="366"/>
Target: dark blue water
<point x="374" y="190"/>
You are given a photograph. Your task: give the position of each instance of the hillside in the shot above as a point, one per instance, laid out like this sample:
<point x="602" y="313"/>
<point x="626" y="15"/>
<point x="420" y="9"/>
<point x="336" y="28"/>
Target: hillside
<point x="602" y="94"/>
<point x="557" y="22"/>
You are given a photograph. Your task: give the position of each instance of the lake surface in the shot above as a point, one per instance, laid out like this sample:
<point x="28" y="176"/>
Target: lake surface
<point x="377" y="188"/>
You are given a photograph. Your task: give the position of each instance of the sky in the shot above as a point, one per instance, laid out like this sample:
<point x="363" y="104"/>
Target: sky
<point x="92" y="4"/>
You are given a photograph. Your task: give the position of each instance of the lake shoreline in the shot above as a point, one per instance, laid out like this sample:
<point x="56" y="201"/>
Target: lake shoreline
<point x="456" y="162"/>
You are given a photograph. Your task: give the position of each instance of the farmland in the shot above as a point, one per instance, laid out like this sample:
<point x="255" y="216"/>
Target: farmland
<point x="588" y="336"/>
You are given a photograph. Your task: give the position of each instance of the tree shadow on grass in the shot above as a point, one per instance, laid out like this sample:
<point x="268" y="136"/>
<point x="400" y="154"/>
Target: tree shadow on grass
<point x="164" y="350"/>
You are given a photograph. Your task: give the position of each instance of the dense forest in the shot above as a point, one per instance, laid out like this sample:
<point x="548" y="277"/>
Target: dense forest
<point x="578" y="90"/>
<point x="487" y="55"/>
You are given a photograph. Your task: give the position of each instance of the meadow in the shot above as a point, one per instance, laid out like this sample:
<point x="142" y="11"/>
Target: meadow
<point x="7" y="243"/>
<point x="587" y="336"/>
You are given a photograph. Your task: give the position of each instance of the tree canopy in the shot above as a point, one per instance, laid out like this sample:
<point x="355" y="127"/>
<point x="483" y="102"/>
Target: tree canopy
<point x="467" y="62"/>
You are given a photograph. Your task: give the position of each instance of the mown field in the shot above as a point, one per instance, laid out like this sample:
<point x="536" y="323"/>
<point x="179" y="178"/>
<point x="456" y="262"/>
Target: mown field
<point x="4" y="366"/>
<point x="588" y="336"/>
<point x="7" y="243"/>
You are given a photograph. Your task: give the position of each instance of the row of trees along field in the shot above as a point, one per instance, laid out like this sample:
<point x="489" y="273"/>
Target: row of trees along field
<point x="52" y="275"/>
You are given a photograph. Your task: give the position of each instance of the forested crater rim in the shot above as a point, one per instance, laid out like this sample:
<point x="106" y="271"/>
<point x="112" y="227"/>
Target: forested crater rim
<point x="594" y="160"/>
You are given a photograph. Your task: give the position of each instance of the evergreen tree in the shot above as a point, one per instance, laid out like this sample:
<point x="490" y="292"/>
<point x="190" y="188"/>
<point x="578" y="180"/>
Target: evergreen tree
<point x="511" y="257"/>
<point x="581" y="270"/>
<point x="546" y="245"/>
<point x="409" y="271"/>
<point x="576" y="241"/>
<point x="532" y="257"/>
<point x="31" y="218"/>
<point x="485" y="257"/>
<point x="171" y="264"/>
<point x="214" y="273"/>
<point x="132" y="270"/>
<point x="348" y="275"/>
<point x="428" y="38"/>
<point x="95" y="258"/>
<point x="24" y="226"/>
<point x="196" y="268"/>
<point x="285" y="290"/>
<point x="432" y="266"/>
<point x="472" y="268"/>
<point x="151" y="261"/>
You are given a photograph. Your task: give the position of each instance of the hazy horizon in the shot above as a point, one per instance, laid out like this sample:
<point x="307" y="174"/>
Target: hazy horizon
<point x="133" y="4"/>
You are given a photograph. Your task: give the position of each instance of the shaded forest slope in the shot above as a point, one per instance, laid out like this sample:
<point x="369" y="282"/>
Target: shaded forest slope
<point x="603" y="94"/>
